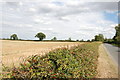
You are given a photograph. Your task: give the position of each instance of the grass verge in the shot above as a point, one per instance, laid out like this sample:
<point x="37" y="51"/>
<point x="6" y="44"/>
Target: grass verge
<point x="117" y="45"/>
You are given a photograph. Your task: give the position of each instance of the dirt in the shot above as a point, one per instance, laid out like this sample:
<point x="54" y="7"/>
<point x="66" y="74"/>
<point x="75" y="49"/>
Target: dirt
<point x="106" y="67"/>
<point x="13" y="52"/>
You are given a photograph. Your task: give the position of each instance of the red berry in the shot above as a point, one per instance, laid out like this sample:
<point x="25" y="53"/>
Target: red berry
<point x="53" y="77"/>
<point x="30" y="68"/>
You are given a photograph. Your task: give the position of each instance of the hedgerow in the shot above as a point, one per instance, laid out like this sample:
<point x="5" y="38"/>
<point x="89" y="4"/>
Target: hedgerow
<point x="77" y="62"/>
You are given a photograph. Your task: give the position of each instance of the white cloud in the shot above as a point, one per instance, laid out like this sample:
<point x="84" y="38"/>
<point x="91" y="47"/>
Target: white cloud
<point x="32" y="9"/>
<point x="47" y="29"/>
<point x="59" y="0"/>
<point x="65" y="19"/>
<point x="21" y="3"/>
<point x="16" y="24"/>
<point x="41" y="19"/>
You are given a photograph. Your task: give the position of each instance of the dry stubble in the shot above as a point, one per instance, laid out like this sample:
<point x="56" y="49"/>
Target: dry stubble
<point x="16" y="51"/>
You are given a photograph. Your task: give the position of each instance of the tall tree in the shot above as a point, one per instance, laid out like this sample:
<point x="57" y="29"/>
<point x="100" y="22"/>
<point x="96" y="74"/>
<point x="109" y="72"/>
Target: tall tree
<point x="14" y="37"/>
<point x="117" y="35"/>
<point x="69" y="39"/>
<point x="99" y="37"/>
<point x="40" y="35"/>
<point x="96" y="38"/>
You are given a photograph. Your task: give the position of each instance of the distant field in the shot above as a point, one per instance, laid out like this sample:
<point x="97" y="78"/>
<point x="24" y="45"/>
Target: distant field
<point x="15" y="51"/>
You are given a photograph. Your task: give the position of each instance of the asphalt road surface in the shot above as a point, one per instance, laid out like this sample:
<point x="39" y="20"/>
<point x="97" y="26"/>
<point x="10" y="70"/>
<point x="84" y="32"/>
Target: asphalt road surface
<point x="113" y="51"/>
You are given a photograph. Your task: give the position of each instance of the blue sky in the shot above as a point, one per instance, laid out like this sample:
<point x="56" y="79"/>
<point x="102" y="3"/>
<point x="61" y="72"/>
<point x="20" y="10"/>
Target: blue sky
<point x="112" y="16"/>
<point x="63" y="19"/>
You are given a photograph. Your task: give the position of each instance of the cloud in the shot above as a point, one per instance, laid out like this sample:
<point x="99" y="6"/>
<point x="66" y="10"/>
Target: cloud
<point x="46" y="29"/>
<point x="41" y="20"/>
<point x="65" y="18"/>
<point x="16" y="24"/>
<point x="61" y="0"/>
<point x="32" y="9"/>
<point x="62" y="19"/>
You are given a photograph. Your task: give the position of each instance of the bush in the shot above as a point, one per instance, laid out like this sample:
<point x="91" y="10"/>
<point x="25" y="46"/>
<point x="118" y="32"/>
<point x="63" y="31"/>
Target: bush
<point x="77" y="62"/>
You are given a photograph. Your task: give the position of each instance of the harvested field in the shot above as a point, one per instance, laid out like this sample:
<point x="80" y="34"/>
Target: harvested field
<point x="16" y="51"/>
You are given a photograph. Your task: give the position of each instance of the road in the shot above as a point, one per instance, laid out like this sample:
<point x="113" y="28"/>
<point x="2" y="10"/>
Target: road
<point x="113" y="51"/>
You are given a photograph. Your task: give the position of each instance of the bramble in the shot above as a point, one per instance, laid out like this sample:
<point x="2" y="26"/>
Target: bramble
<point x="78" y="62"/>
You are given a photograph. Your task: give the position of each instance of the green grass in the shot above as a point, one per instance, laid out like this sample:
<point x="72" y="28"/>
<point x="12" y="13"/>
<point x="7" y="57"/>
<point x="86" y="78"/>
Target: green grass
<point x="117" y="45"/>
<point x="77" y="62"/>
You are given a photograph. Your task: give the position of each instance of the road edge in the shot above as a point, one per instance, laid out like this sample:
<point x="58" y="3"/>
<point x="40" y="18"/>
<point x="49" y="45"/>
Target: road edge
<point x="108" y="53"/>
<point x="106" y="67"/>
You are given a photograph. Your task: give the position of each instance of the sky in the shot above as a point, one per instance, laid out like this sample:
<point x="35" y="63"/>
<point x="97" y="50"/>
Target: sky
<point x="58" y="18"/>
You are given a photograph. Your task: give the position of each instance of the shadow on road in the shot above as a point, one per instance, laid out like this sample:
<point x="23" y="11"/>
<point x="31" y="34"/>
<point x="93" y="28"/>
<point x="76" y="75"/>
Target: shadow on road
<point x="118" y="50"/>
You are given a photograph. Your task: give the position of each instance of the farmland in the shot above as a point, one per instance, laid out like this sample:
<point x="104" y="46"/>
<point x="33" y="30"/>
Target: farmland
<point x="15" y="51"/>
<point x="73" y="59"/>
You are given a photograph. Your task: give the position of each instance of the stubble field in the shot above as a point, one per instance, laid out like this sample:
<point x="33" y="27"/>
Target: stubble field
<point x="13" y="52"/>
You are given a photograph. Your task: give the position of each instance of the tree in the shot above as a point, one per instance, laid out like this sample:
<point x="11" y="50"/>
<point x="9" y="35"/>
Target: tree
<point x="40" y="35"/>
<point x="77" y="40"/>
<point x="93" y="40"/>
<point x="88" y="40"/>
<point x="99" y="37"/>
<point x="81" y="40"/>
<point x="54" y="39"/>
<point x="116" y="38"/>
<point x="69" y="39"/>
<point x="96" y="38"/>
<point x="14" y="37"/>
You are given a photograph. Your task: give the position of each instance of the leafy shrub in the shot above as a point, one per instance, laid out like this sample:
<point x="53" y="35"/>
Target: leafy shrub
<point x="77" y="62"/>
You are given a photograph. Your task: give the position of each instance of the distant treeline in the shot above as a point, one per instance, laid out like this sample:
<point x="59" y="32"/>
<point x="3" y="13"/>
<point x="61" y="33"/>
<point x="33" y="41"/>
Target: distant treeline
<point x="99" y="37"/>
<point x="42" y="36"/>
<point x="43" y="40"/>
